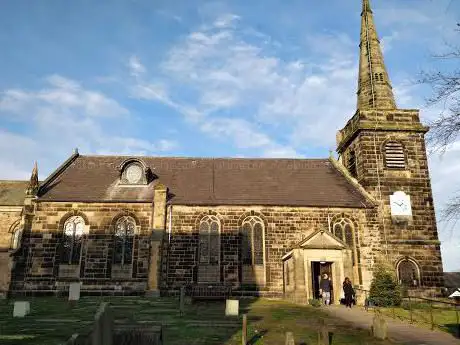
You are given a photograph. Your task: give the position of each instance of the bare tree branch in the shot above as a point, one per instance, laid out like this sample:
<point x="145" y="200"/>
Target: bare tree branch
<point x="445" y="130"/>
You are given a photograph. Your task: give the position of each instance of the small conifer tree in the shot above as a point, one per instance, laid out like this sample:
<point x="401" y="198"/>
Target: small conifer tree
<point x="385" y="291"/>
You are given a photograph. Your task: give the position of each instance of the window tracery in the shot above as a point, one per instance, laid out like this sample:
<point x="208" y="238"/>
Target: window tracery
<point x="253" y="241"/>
<point x="124" y="240"/>
<point x="209" y="233"/>
<point x="73" y="232"/>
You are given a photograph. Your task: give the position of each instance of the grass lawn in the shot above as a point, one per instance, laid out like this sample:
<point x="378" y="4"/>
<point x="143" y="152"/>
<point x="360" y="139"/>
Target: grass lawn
<point x="444" y="318"/>
<point x="52" y="321"/>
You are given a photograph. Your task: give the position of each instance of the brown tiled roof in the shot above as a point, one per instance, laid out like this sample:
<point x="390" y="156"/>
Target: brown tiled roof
<point x="12" y="193"/>
<point x="452" y="279"/>
<point x="209" y="181"/>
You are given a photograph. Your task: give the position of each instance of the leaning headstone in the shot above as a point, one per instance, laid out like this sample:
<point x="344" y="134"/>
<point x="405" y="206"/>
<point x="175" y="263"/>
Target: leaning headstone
<point x="289" y="338"/>
<point x="379" y="327"/>
<point x="232" y="307"/>
<point x="74" y="291"/>
<point x="21" y="309"/>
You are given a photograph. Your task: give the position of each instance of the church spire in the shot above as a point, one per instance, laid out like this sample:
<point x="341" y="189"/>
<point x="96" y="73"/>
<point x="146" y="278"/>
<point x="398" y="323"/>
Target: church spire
<point x="32" y="188"/>
<point x="374" y="87"/>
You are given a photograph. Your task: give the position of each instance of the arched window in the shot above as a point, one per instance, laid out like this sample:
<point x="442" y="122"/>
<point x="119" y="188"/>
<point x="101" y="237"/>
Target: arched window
<point x="343" y="229"/>
<point x="408" y="273"/>
<point x="73" y="231"/>
<point x="394" y="155"/>
<point x="209" y="240"/>
<point x="16" y="237"/>
<point x="124" y="240"/>
<point x="252" y="241"/>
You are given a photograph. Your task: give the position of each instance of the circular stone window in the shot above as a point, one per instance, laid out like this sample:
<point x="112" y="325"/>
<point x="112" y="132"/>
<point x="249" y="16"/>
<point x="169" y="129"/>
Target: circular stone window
<point x="133" y="173"/>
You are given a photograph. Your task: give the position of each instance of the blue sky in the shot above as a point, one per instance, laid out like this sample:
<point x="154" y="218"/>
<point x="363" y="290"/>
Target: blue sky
<point x="234" y="78"/>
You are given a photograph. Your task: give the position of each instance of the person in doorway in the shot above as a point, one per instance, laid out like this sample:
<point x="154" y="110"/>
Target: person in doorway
<point x="348" y="291"/>
<point x="325" y="288"/>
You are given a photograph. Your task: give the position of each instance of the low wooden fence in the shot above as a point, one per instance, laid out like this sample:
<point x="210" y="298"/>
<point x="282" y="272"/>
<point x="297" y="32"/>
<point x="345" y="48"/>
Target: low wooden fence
<point x="436" y="313"/>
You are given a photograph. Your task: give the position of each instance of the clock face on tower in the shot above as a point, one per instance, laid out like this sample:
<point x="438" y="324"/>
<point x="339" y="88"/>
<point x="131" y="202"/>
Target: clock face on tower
<point x="400" y="204"/>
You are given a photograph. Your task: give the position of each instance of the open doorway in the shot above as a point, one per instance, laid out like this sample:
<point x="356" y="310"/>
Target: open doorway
<point x="318" y="268"/>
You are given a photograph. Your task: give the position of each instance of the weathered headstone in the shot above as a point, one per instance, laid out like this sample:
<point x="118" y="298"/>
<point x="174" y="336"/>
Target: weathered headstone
<point x="323" y="333"/>
<point x="379" y="327"/>
<point x="21" y="309"/>
<point x="103" y="329"/>
<point x="289" y="338"/>
<point x="74" y="291"/>
<point x="232" y="307"/>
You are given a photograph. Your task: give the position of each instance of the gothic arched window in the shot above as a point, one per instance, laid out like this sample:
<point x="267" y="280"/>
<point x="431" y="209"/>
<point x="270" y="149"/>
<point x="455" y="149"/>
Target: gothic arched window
<point x="344" y="230"/>
<point x="408" y="273"/>
<point x="124" y="240"/>
<point x="394" y="155"/>
<point x="252" y="241"/>
<point x="209" y="240"/>
<point x="16" y="237"/>
<point x="73" y="232"/>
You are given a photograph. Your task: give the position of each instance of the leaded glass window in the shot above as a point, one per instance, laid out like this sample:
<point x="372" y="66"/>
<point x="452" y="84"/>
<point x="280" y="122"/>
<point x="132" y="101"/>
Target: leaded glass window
<point x="73" y="232"/>
<point x="124" y="240"/>
<point x="16" y="238"/>
<point x="209" y="233"/>
<point x="252" y="238"/>
<point x="343" y="229"/>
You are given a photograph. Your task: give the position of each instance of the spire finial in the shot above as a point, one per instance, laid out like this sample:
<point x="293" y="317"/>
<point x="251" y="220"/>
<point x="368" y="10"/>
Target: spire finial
<point x="374" y="87"/>
<point x="32" y="188"/>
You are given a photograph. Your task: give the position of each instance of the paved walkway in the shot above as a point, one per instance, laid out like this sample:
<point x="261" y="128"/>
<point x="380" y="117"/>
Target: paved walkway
<point x="398" y="331"/>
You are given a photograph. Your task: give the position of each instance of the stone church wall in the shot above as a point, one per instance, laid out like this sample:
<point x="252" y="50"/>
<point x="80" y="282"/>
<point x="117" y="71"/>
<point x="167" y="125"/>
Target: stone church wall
<point x="9" y="217"/>
<point x="284" y="227"/>
<point x="38" y="266"/>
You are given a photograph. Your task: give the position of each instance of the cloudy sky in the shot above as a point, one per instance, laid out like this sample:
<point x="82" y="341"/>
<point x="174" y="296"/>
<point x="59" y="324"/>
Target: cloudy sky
<point x="263" y="78"/>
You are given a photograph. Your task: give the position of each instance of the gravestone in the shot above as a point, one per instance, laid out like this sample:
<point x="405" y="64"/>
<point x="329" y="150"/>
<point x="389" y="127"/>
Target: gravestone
<point x="289" y="338"/>
<point x="74" y="291"/>
<point x="21" y="309"/>
<point x="323" y="334"/>
<point x="379" y="327"/>
<point x="232" y="307"/>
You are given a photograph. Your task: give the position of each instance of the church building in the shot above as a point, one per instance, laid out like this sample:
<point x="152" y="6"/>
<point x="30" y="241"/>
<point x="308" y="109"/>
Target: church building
<point x="124" y="225"/>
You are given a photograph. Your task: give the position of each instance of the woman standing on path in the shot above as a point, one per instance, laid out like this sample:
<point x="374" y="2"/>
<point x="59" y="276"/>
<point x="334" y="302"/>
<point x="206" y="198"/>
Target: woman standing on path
<point x="348" y="291"/>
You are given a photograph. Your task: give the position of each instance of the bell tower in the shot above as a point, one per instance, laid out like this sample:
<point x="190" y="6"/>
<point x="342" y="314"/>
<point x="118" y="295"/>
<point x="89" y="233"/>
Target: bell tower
<point x="383" y="148"/>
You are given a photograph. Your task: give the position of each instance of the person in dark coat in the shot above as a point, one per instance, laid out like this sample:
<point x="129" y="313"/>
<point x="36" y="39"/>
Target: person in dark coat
<point x="325" y="288"/>
<point x="348" y="291"/>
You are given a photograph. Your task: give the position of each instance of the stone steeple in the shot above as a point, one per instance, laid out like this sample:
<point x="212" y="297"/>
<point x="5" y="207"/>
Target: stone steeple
<point x="32" y="188"/>
<point x="374" y="87"/>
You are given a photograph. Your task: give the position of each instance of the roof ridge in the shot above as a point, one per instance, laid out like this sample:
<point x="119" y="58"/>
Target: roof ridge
<point x="13" y="181"/>
<point x="206" y="158"/>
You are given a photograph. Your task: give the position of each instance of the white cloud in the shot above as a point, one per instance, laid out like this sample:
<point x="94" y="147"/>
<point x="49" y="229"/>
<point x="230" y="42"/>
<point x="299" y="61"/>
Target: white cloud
<point x="59" y="117"/>
<point x="135" y="66"/>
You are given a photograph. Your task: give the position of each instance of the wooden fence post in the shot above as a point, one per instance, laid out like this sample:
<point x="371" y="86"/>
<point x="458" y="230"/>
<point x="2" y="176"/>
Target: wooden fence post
<point x="244" y="334"/>
<point x="182" y="300"/>
<point x="431" y="315"/>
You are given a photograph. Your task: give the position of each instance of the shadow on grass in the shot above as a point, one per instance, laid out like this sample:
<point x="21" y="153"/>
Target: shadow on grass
<point x="453" y="329"/>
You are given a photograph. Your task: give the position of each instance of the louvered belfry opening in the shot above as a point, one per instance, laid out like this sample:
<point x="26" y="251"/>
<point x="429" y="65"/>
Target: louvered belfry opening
<point x="394" y="155"/>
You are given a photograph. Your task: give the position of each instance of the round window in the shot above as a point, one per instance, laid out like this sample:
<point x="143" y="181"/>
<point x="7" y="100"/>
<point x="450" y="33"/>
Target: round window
<point x="134" y="173"/>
